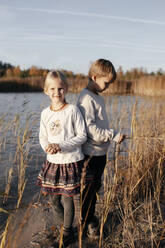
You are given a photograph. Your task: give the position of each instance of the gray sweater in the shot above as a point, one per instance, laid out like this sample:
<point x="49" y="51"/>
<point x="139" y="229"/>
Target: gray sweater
<point x="99" y="134"/>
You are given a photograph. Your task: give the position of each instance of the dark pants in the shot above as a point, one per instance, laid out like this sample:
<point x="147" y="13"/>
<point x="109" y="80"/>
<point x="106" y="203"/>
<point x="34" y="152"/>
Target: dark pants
<point x="64" y="209"/>
<point x="96" y="166"/>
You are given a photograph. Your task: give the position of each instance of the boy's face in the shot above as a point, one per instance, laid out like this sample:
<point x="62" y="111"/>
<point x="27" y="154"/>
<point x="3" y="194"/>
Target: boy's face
<point x="102" y="83"/>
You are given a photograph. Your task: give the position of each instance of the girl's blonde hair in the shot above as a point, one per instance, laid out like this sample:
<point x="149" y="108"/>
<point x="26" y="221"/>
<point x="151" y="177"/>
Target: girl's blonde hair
<point x="102" y="68"/>
<point x="55" y="74"/>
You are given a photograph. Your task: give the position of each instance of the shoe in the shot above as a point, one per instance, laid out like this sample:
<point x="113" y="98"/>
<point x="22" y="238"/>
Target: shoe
<point x="93" y="230"/>
<point x="68" y="239"/>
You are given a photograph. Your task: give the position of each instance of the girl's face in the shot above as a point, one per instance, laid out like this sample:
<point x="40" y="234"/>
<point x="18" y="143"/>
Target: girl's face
<point x="56" y="90"/>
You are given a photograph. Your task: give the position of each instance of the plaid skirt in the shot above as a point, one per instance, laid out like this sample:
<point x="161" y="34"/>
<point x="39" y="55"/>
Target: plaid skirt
<point x="61" y="178"/>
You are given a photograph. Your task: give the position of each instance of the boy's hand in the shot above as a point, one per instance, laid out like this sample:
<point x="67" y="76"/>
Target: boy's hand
<point x="121" y="138"/>
<point x="52" y="148"/>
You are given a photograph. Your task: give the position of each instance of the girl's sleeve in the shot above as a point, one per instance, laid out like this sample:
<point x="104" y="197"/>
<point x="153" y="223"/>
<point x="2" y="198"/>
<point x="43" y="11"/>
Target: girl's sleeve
<point x="79" y="130"/>
<point x="94" y="132"/>
<point x="43" y="137"/>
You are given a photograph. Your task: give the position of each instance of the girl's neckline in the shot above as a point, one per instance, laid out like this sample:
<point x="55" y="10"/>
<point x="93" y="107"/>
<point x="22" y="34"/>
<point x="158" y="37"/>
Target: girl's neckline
<point x="59" y="109"/>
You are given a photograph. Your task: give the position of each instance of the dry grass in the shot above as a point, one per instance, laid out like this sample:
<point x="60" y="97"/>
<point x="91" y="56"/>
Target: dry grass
<point x="145" y="85"/>
<point x="20" y="134"/>
<point x="133" y="205"/>
<point x="150" y="86"/>
<point x="136" y="197"/>
<point x="16" y="84"/>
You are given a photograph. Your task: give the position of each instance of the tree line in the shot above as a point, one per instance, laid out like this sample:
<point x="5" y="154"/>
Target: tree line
<point x="135" y="81"/>
<point x="7" y="71"/>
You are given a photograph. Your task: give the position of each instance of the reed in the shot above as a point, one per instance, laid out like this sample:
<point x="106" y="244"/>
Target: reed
<point x="61" y="237"/>
<point x="20" y="133"/>
<point x="16" y="84"/>
<point x="8" y="185"/>
<point x="137" y="198"/>
<point x="149" y="85"/>
<point x="131" y="209"/>
<point x="5" y="232"/>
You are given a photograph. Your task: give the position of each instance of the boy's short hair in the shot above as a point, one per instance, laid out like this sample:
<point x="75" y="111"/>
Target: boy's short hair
<point x="102" y="68"/>
<point x="55" y="74"/>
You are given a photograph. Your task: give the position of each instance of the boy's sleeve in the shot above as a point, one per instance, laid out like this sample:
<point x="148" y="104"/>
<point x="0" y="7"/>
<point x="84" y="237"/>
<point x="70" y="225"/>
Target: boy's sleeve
<point x="116" y="137"/>
<point x="94" y="132"/>
<point x="43" y="137"/>
<point x="80" y="133"/>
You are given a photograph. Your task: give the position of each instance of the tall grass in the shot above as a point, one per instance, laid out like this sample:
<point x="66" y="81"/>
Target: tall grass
<point x="132" y="207"/>
<point x="145" y="85"/>
<point x="16" y="84"/>
<point x="15" y="135"/>
<point x="136" y="196"/>
<point x="150" y="86"/>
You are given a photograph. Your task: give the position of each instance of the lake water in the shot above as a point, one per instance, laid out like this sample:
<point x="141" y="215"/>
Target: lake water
<point x="28" y="106"/>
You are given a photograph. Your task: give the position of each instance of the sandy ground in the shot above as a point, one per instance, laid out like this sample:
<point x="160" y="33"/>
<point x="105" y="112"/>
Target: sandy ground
<point x="36" y="226"/>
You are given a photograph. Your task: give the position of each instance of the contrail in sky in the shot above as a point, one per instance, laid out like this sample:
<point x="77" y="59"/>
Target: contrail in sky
<point x="86" y="14"/>
<point x="77" y="41"/>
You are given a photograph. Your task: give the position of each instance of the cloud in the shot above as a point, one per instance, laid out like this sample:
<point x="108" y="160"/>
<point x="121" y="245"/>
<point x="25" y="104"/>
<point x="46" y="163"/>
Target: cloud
<point x="74" y="41"/>
<point x="86" y="14"/>
<point x="135" y="47"/>
<point x="6" y="14"/>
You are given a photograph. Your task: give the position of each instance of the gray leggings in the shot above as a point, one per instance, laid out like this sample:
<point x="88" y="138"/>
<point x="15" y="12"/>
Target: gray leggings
<point x="64" y="207"/>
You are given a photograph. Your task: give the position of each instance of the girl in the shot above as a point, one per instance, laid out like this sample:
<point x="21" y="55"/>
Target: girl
<point x="62" y="132"/>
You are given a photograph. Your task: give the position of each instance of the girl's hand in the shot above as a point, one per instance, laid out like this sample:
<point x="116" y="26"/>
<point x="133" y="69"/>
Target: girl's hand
<point x="53" y="148"/>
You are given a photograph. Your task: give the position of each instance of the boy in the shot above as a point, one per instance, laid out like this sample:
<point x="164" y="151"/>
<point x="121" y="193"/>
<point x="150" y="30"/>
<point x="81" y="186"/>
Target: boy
<point x="101" y="74"/>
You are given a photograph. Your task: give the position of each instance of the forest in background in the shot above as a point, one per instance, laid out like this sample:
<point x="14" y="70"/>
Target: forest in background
<point x="134" y="81"/>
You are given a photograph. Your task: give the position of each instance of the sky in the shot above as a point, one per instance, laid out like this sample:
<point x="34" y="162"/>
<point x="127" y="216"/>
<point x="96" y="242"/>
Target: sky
<point x="71" y="34"/>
